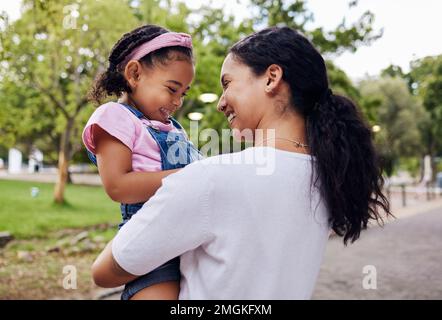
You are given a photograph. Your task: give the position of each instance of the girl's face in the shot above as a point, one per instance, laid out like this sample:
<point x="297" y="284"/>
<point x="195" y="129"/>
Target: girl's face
<point x="159" y="91"/>
<point x="243" y="98"/>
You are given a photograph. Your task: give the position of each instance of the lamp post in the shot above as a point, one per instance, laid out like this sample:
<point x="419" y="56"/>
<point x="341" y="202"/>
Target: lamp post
<point x="376" y="128"/>
<point x="208" y="97"/>
<point x="195" y="116"/>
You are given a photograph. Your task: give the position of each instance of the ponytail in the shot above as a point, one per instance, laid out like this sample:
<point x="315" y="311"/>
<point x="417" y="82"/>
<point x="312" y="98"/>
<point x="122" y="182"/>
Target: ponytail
<point x="110" y="82"/>
<point x="347" y="167"/>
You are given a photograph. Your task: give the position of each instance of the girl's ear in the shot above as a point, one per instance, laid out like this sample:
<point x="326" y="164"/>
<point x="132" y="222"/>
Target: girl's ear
<point x="273" y="77"/>
<point x="132" y="73"/>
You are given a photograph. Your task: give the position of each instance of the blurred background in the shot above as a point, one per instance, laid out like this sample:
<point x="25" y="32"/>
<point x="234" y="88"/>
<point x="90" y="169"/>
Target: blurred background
<point x="53" y="213"/>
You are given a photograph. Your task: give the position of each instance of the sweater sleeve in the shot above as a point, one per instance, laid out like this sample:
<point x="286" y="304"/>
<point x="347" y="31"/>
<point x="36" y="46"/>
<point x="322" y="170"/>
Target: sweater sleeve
<point x="173" y="221"/>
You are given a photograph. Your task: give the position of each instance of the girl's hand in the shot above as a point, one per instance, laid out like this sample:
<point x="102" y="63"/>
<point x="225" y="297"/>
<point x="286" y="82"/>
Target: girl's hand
<point x="107" y="273"/>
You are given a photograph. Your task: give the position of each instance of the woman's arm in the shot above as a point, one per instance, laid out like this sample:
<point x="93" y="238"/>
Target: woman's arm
<point x="175" y="220"/>
<point x="107" y="273"/>
<point x="114" y="161"/>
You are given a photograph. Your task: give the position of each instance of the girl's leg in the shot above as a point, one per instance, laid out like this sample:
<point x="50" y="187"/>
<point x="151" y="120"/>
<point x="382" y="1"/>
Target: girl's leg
<point x="162" y="291"/>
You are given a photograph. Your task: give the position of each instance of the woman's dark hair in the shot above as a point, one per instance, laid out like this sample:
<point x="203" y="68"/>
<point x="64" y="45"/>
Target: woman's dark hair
<point x="347" y="168"/>
<point x="112" y="81"/>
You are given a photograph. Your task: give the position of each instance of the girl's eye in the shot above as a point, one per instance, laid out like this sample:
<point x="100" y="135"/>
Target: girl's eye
<point x="175" y="91"/>
<point x="226" y="84"/>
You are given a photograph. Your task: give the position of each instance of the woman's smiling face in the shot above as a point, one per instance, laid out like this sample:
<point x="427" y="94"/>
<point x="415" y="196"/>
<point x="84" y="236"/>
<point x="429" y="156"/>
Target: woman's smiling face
<point x="243" y="95"/>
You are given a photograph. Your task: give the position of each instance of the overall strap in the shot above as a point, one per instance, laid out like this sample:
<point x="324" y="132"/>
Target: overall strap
<point x="180" y="128"/>
<point x="92" y="157"/>
<point x="176" y="124"/>
<point x="136" y="112"/>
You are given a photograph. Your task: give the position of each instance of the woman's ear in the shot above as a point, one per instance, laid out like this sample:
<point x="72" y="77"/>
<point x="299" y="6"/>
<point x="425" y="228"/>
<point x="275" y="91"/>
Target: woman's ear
<point x="273" y="77"/>
<point x="132" y="73"/>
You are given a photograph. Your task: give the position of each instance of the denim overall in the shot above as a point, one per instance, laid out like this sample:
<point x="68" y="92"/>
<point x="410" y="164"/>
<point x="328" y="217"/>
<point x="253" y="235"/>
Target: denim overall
<point x="176" y="152"/>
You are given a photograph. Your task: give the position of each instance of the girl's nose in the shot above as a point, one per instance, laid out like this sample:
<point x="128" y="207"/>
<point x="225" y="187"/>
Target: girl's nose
<point x="177" y="102"/>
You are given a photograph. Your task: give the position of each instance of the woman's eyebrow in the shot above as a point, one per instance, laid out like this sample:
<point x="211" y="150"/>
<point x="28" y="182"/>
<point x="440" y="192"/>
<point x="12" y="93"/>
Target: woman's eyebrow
<point x="177" y="83"/>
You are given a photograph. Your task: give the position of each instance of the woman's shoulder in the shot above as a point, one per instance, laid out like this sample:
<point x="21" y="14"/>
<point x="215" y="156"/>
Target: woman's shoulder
<point x="255" y="161"/>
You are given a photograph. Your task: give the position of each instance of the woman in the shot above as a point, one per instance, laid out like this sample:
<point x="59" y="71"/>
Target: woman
<point x="230" y="223"/>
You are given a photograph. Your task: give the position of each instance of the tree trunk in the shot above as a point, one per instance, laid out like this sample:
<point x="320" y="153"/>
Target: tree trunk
<point x="62" y="177"/>
<point x="63" y="163"/>
<point x="422" y="168"/>
<point x="433" y="168"/>
<point x="433" y="160"/>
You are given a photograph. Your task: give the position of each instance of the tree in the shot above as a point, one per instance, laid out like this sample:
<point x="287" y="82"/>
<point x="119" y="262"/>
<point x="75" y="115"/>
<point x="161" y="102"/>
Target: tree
<point x="393" y="71"/>
<point x="343" y="37"/>
<point x="51" y="55"/>
<point x="294" y="14"/>
<point x="425" y="80"/>
<point x="425" y="83"/>
<point x="399" y="116"/>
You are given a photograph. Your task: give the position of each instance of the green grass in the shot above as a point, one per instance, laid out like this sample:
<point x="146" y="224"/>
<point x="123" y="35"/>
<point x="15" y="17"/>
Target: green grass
<point x="27" y="217"/>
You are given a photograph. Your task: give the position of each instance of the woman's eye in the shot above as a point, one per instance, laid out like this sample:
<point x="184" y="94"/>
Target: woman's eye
<point x="172" y="89"/>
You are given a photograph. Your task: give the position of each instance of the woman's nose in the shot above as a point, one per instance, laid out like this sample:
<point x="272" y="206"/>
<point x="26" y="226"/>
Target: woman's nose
<point x="221" y="104"/>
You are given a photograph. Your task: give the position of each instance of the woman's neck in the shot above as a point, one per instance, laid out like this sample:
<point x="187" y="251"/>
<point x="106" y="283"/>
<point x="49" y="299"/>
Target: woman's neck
<point x="282" y="132"/>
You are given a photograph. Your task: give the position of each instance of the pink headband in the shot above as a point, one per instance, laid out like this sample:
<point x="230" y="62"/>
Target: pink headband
<point x="168" y="39"/>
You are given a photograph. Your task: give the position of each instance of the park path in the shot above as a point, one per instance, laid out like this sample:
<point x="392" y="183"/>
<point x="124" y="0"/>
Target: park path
<point x="407" y="255"/>
<point x="50" y="177"/>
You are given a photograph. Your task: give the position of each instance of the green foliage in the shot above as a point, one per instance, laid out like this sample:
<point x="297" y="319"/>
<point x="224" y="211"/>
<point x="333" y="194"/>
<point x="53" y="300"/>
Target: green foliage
<point x="399" y="116"/>
<point x="295" y="14"/>
<point x="340" y="82"/>
<point x="393" y="71"/>
<point x="52" y="53"/>
<point x="411" y="165"/>
<point x="426" y="82"/>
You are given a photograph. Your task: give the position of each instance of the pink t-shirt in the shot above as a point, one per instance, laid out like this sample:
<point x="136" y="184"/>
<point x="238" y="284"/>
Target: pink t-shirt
<point x="119" y="122"/>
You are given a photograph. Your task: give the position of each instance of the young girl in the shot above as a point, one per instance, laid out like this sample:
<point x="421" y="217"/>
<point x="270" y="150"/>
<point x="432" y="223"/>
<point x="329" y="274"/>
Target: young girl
<point x="135" y="142"/>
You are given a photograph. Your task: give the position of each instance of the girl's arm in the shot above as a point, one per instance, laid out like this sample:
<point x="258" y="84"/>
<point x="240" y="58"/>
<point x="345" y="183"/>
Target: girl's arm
<point x="107" y="273"/>
<point x="114" y="161"/>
